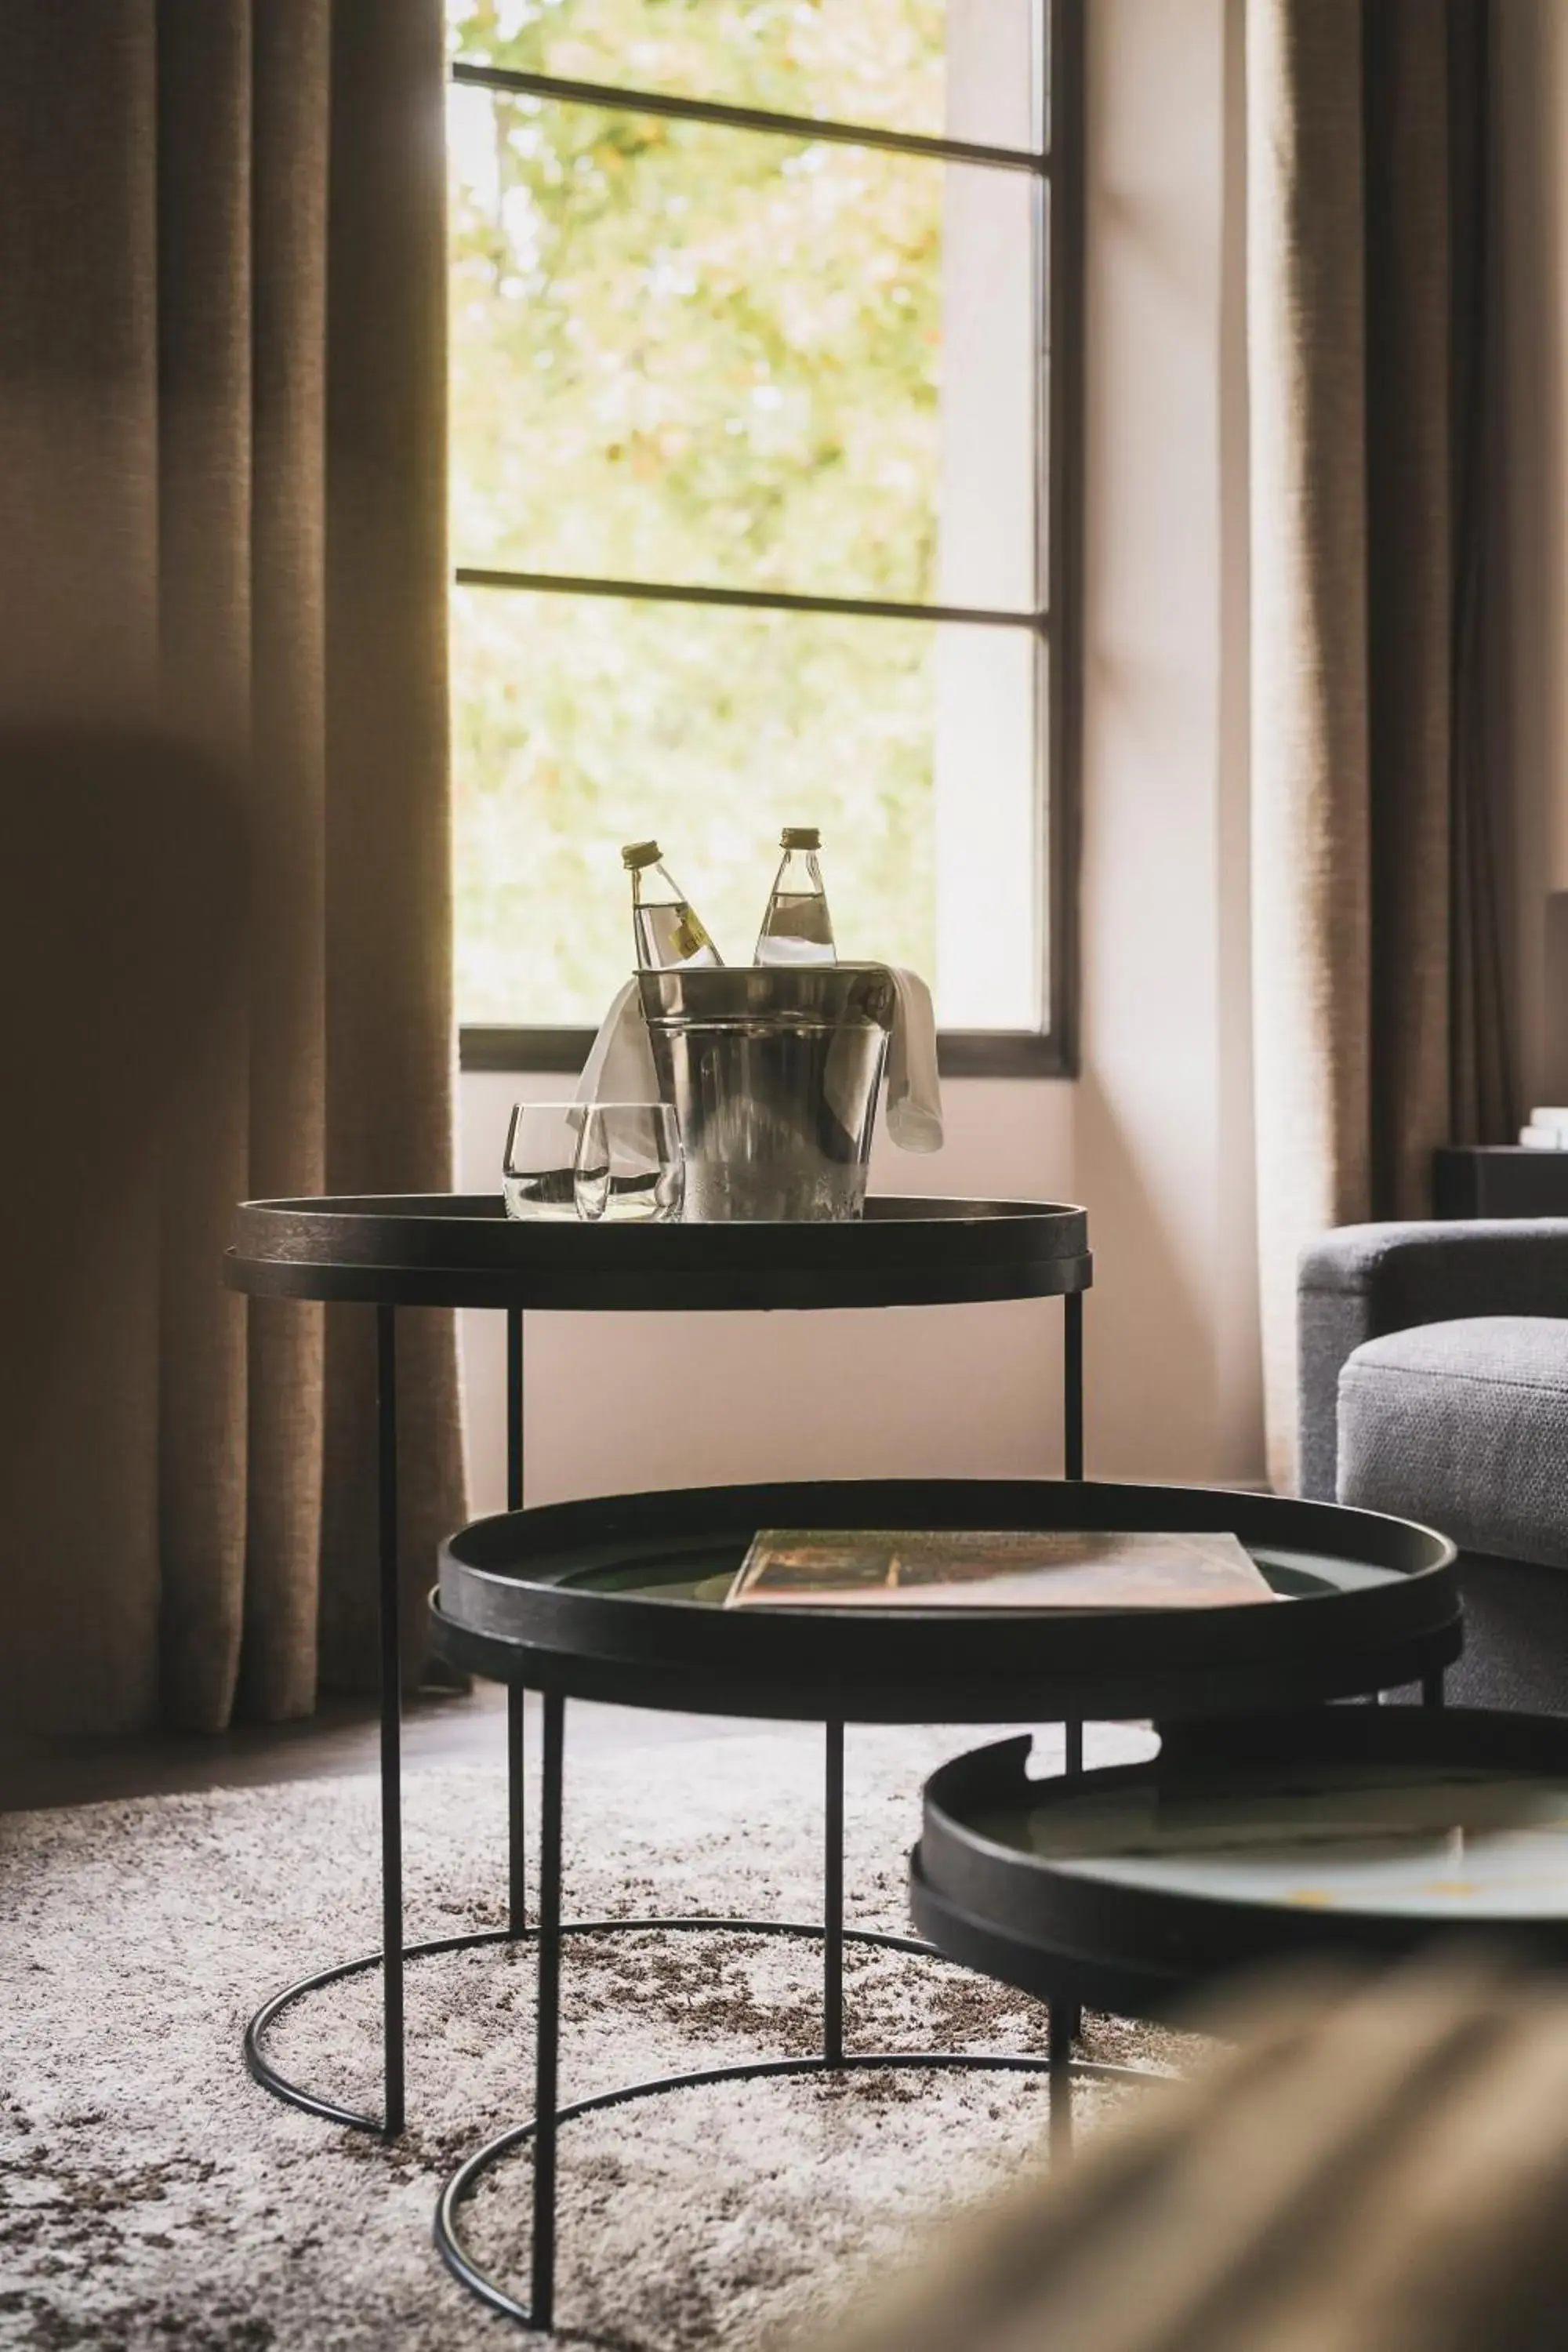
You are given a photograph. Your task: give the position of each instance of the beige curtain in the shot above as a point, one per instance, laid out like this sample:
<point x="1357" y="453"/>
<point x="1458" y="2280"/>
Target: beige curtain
<point x="223" y="693"/>
<point x="1379" y="1018"/>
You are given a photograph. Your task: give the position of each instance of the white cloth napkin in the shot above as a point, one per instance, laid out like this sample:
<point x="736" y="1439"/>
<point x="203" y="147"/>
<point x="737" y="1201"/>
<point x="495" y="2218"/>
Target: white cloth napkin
<point x="620" y="1067"/>
<point x="914" y="1089"/>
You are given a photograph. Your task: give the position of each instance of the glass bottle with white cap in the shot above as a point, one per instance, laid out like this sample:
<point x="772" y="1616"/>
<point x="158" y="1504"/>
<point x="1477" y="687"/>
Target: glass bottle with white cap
<point x="797" y="927"/>
<point x="670" y="933"/>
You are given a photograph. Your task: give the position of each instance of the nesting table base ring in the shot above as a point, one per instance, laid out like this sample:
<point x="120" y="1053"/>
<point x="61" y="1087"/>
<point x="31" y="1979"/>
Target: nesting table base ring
<point x="261" y="2069"/>
<point x="469" y="2174"/>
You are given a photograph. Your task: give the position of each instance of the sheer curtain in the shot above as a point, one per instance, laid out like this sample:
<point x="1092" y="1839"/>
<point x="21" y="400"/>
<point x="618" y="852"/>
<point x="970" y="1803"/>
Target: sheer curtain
<point x="222" y="589"/>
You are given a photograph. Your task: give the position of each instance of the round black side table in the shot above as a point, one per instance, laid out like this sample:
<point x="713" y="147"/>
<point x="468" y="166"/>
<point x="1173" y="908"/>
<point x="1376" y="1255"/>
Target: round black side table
<point x="621" y="1599"/>
<point x="1346" y="1831"/>
<point x="461" y="1250"/>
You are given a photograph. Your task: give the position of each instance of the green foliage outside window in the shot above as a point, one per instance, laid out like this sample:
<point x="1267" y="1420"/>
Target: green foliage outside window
<point x="688" y="353"/>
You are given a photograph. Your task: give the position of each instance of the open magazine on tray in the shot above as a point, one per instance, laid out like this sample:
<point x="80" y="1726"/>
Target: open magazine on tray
<point x="989" y="1568"/>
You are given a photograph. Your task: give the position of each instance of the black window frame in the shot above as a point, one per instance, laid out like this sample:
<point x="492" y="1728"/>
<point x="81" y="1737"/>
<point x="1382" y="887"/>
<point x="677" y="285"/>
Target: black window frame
<point x="1057" y="168"/>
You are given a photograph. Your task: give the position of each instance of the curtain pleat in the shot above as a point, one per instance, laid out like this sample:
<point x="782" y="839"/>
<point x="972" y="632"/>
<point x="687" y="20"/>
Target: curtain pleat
<point x="78" y="638"/>
<point x="205" y="484"/>
<point x="291" y="124"/>
<point x="79" y="369"/>
<point x="1379" y="1029"/>
<point x="1311" y="882"/>
<point x="222" y="726"/>
<point x="1482" y="1074"/>
<point x="390" y="1063"/>
<point x="1408" y="461"/>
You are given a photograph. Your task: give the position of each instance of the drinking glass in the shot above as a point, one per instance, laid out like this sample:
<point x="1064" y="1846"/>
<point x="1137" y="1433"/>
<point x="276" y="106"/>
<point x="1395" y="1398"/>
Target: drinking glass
<point x="629" y="1167"/>
<point x="537" y="1170"/>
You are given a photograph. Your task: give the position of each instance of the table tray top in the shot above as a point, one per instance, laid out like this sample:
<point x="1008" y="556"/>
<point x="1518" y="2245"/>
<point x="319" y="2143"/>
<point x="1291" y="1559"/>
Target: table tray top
<point x="460" y="1249"/>
<point x="621" y="1597"/>
<point x="1357" y="1830"/>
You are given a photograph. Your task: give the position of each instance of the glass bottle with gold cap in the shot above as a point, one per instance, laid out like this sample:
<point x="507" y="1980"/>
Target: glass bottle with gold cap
<point x="797" y="927"/>
<point x="668" y="931"/>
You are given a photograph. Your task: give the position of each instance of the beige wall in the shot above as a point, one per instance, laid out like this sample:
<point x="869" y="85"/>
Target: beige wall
<point x="1155" y="1136"/>
<point x="1162" y="1140"/>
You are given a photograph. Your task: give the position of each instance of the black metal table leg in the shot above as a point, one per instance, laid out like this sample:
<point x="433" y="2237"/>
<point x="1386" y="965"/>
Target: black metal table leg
<point x="1059" y="2047"/>
<point x="1072" y="1385"/>
<point x="515" y="1844"/>
<point x="1067" y="2016"/>
<point x="548" y="2029"/>
<point x="393" y="1955"/>
<point x="1432" y="1688"/>
<point x="514" y="1408"/>
<point x="833" y="1899"/>
<point x="391" y="1722"/>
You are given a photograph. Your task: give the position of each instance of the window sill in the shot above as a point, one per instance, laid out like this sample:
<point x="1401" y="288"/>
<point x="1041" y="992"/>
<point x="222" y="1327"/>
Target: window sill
<point x="961" y="1052"/>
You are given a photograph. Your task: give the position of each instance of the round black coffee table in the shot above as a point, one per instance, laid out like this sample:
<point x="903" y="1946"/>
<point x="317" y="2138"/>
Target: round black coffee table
<point x="387" y="1252"/>
<point x="621" y="1599"/>
<point x="1350" y="1831"/>
<point x="1395" y="1609"/>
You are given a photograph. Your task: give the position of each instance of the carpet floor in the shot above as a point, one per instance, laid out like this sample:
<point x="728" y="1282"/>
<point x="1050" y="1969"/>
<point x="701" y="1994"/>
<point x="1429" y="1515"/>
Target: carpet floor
<point x="152" y="2195"/>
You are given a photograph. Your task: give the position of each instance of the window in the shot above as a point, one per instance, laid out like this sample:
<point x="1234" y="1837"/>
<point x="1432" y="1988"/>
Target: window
<point x="763" y="447"/>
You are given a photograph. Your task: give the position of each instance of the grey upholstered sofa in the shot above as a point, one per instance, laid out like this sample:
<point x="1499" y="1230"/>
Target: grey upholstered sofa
<point x="1434" y="1383"/>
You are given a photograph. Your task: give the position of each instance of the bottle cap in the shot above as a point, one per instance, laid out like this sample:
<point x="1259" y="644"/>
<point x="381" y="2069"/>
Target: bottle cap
<point x="638" y="854"/>
<point x="800" y="837"/>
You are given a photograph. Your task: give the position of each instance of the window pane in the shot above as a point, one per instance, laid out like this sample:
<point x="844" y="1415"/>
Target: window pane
<point x="701" y="355"/>
<point x="582" y="722"/>
<point x="954" y="68"/>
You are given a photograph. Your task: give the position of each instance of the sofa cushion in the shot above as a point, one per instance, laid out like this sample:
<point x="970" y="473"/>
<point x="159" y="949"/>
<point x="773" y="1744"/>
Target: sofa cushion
<point x="1464" y="1426"/>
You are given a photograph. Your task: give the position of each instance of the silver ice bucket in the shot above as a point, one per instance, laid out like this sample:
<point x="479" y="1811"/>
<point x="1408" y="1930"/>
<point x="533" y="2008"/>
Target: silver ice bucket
<point x="774" y="1074"/>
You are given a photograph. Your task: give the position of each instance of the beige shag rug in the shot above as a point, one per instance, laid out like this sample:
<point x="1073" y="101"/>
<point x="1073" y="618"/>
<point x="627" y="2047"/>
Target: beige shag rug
<point x="152" y="2195"/>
